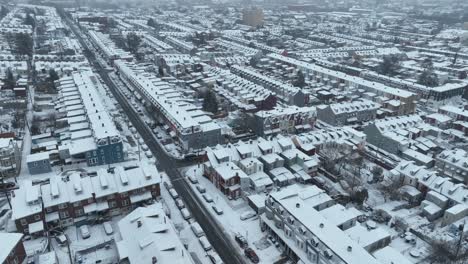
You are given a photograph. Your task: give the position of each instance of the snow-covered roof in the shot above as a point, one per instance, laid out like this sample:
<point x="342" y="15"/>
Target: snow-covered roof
<point x="26" y="200"/>
<point x="9" y="242"/>
<point x="389" y="255"/>
<point x="148" y="233"/>
<point x="337" y="241"/>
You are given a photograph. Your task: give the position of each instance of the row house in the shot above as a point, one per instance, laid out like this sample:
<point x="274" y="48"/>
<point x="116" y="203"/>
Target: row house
<point x="303" y="221"/>
<point x="13" y="251"/>
<point x="290" y="94"/>
<point x="78" y="199"/>
<point x="325" y="76"/>
<point x="27" y="210"/>
<point x="347" y="113"/>
<point x="257" y="165"/>
<point x="288" y="120"/>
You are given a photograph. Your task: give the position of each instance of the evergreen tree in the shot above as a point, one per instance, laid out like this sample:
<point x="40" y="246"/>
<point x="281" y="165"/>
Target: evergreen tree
<point x="300" y="79"/>
<point x="428" y="78"/>
<point x="151" y="22"/>
<point x="10" y="81"/>
<point x="389" y="66"/>
<point x="133" y="42"/>
<point x="161" y="70"/>
<point x="210" y="103"/>
<point x="24" y="44"/>
<point x="29" y="20"/>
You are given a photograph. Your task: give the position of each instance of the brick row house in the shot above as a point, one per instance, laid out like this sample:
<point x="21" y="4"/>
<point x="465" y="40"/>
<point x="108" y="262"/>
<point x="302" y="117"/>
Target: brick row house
<point x="12" y="251"/>
<point x="79" y="198"/>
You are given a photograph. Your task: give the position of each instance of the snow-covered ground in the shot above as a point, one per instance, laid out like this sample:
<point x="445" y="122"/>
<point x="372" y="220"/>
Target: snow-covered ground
<point x="230" y="219"/>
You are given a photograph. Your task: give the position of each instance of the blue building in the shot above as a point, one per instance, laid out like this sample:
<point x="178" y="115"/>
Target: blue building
<point x="38" y="163"/>
<point x="90" y="134"/>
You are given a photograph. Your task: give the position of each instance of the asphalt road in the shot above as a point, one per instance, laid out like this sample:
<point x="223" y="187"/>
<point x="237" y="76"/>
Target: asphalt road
<point x="215" y="233"/>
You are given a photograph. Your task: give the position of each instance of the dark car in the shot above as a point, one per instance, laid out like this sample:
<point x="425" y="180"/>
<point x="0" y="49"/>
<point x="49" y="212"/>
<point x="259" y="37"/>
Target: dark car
<point x="7" y="185"/>
<point x="240" y="239"/>
<point x="250" y="253"/>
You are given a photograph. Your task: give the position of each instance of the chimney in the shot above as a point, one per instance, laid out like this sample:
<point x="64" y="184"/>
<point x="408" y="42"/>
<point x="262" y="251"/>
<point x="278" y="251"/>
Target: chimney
<point x="139" y="224"/>
<point x="155" y="260"/>
<point x="298" y="205"/>
<point x="350" y="248"/>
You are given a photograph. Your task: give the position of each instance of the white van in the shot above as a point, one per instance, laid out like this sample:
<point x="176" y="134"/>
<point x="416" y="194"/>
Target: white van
<point x="197" y="230"/>
<point x="204" y="243"/>
<point x="186" y="214"/>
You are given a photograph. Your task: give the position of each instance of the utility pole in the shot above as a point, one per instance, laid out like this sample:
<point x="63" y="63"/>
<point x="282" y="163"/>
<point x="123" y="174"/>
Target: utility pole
<point x="461" y="228"/>
<point x="69" y="250"/>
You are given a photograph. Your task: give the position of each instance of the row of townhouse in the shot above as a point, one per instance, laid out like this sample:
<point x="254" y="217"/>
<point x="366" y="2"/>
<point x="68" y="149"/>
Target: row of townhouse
<point x="407" y="100"/>
<point x="454" y="164"/>
<point x="157" y="45"/>
<point x="284" y="120"/>
<point x="149" y="236"/>
<point x="311" y="228"/>
<point x="181" y="45"/>
<point x="107" y="47"/>
<point x="312" y="142"/>
<point x="78" y="198"/>
<point x="88" y="132"/>
<point x="290" y="94"/>
<point x="255" y="166"/>
<point x="347" y="113"/>
<point x="241" y="93"/>
<point x="438" y="93"/>
<point x="193" y="128"/>
<point x="398" y="134"/>
<point x="443" y="198"/>
<point x="239" y="48"/>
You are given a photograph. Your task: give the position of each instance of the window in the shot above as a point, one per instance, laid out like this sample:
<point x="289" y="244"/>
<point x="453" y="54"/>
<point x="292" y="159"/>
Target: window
<point x="76" y="204"/>
<point x="79" y="212"/>
<point x="37" y="217"/>
<point x="64" y="214"/>
<point x="125" y="202"/>
<point x="124" y="194"/>
<point x="112" y="204"/>
<point x="24" y="222"/>
<point x="62" y="206"/>
<point x="48" y="209"/>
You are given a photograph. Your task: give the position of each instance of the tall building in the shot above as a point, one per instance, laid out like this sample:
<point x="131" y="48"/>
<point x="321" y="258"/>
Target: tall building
<point x="252" y="16"/>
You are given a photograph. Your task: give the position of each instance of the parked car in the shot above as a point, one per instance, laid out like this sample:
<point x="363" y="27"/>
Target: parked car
<point x="217" y="210"/>
<point x="207" y="198"/>
<point x="250" y="253"/>
<point x="173" y="193"/>
<point x="61" y="239"/>
<point x="186" y="214"/>
<point x="193" y="179"/>
<point x="84" y="231"/>
<point x="180" y="204"/>
<point x="7" y="185"/>
<point x="204" y="243"/>
<point x="148" y="154"/>
<point x="247" y="215"/>
<point x="168" y="185"/>
<point x="201" y="189"/>
<point x="197" y="230"/>
<point x="240" y="239"/>
<point x="215" y="258"/>
<point x="108" y="228"/>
